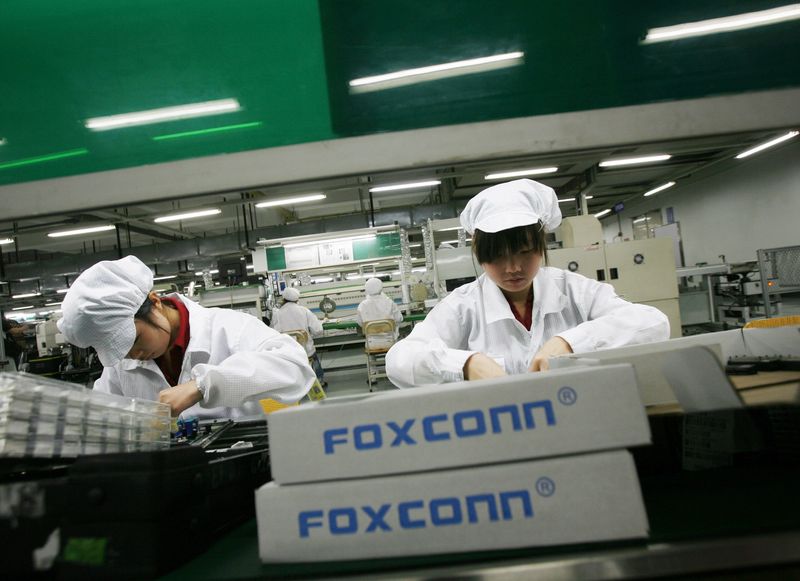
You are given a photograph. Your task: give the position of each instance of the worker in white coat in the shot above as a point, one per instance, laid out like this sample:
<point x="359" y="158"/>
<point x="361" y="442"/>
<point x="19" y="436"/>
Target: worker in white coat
<point x="203" y="362"/>
<point x="517" y="314"/>
<point x="294" y="317"/>
<point x="377" y="306"/>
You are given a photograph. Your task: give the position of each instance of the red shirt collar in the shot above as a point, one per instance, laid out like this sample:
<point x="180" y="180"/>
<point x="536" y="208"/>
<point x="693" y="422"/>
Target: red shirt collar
<point x="178" y="348"/>
<point x="524" y="318"/>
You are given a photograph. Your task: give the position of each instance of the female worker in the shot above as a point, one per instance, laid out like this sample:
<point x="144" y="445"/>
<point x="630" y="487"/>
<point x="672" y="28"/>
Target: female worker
<point x="211" y="362"/>
<point x="518" y="313"/>
<point x="294" y="317"/>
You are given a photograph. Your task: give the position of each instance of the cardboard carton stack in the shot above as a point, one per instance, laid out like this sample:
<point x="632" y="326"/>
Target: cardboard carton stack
<point x="522" y="461"/>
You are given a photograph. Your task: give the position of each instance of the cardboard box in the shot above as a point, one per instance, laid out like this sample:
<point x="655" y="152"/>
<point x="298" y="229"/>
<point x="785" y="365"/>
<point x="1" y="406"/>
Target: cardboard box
<point x="690" y="371"/>
<point x="520" y="417"/>
<point x="575" y="499"/>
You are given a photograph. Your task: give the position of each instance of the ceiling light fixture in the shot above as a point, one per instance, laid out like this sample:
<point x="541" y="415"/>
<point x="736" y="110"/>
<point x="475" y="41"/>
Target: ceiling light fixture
<point x="222" y="129"/>
<point x="26" y="295"/>
<point x="724" y="24"/>
<point x="762" y="147"/>
<point x="634" y="160"/>
<point x="588" y="197"/>
<point x="434" y="72"/>
<point x="51" y="304"/>
<point x="6" y="241"/>
<point x="562" y="200"/>
<point x="603" y="213"/>
<point x="165" y="277"/>
<point x="22" y="308"/>
<point x="660" y="188"/>
<point x="162" y="114"/>
<point x="43" y="158"/>
<point x="519" y="173"/>
<point x="331" y="241"/>
<point x="200" y="273"/>
<point x="187" y="215"/>
<point x="62" y="291"/>
<point x="405" y="186"/>
<point x="293" y="200"/>
<point x="79" y="231"/>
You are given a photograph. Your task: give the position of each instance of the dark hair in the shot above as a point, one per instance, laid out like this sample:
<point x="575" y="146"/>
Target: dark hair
<point x="143" y="314"/>
<point x="489" y="246"/>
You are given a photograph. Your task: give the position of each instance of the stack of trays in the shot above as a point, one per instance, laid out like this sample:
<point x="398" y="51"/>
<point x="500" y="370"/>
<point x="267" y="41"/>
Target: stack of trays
<point x="522" y="461"/>
<point x="47" y="418"/>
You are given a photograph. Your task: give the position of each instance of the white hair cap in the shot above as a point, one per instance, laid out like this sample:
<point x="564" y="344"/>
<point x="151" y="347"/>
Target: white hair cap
<point x="373" y="286"/>
<point x="99" y="307"/>
<point x="291" y="294"/>
<point x="510" y="205"/>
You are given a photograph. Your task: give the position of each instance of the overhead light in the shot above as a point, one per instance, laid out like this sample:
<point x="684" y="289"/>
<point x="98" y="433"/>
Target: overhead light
<point x="519" y="173"/>
<point x="43" y="158"/>
<point x="724" y="24"/>
<point x="449" y="229"/>
<point x="198" y="132"/>
<point x="200" y="273"/>
<point x="22" y="308"/>
<point x="162" y="114"/>
<point x="25" y="295"/>
<point x="6" y="241"/>
<point x="187" y="215"/>
<point x="562" y="200"/>
<point x="603" y="213"/>
<point x="79" y="231"/>
<point x="634" y="160"/>
<point x="293" y="200"/>
<point x="660" y="188"/>
<point x="405" y="186"/>
<point x="588" y="197"/>
<point x="62" y="291"/>
<point x="417" y="245"/>
<point x="434" y="72"/>
<point x="331" y="241"/>
<point x="51" y="304"/>
<point x="250" y="267"/>
<point x="756" y="149"/>
<point x="166" y="277"/>
<point x="638" y="220"/>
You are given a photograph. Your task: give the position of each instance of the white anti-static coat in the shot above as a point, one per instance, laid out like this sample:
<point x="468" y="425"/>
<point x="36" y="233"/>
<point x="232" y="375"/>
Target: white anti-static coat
<point x="235" y="358"/>
<point x="477" y="318"/>
<point x="294" y="317"/>
<point x="378" y="307"/>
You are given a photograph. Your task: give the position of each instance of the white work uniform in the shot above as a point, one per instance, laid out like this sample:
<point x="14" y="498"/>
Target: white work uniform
<point x="294" y="317"/>
<point x="235" y="358"/>
<point x="378" y="307"/>
<point x="585" y="313"/>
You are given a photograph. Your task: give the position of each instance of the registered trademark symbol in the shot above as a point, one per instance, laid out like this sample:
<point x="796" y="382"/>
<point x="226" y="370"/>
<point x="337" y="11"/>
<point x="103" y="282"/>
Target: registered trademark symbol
<point x="545" y="486"/>
<point x="567" y="396"/>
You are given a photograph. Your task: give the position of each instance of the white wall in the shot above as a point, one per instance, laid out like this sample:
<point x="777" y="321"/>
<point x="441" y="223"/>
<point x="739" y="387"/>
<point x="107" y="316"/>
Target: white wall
<point x="753" y="204"/>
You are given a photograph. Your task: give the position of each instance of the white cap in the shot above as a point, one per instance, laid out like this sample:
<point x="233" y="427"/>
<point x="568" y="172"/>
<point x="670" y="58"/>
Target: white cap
<point x="98" y="310"/>
<point x="373" y="286"/>
<point x="510" y="205"/>
<point x="291" y="294"/>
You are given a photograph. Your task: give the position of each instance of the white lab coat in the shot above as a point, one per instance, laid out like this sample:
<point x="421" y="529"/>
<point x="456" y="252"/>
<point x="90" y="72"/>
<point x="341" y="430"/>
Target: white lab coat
<point x="235" y="357"/>
<point x="294" y="317"/>
<point x="378" y="307"/>
<point x="587" y="314"/>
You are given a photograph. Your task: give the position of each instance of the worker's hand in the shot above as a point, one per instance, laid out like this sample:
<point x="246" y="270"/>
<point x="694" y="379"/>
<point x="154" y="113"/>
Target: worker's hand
<point x="552" y="348"/>
<point x="480" y="366"/>
<point x="180" y="397"/>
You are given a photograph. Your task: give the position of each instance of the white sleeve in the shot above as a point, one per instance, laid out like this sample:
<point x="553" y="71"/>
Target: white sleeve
<point x="108" y="382"/>
<point x="610" y="320"/>
<point x="314" y="324"/>
<point x="396" y="314"/>
<point x="434" y="352"/>
<point x="359" y="319"/>
<point x="263" y="364"/>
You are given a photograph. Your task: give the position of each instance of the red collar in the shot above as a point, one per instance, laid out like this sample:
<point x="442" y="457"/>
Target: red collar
<point x="524" y="319"/>
<point x="178" y="348"/>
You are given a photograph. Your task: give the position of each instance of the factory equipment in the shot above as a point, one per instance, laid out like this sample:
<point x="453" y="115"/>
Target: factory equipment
<point x="780" y="274"/>
<point x="48" y="337"/>
<point x="245" y="298"/>
<point x="740" y="295"/>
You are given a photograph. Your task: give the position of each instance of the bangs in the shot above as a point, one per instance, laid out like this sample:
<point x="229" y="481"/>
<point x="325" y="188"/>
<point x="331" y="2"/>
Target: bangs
<point x="489" y="246"/>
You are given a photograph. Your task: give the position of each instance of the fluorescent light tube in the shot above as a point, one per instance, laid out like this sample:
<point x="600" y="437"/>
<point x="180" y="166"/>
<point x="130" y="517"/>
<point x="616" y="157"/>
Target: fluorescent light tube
<point x="250" y="267"/>
<point x="79" y="231"/>
<point x="215" y="271"/>
<point x="62" y="291"/>
<point x="166" y="277"/>
<point x="434" y="72"/>
<point x="449" y="229"/>
<point x="187" y="215"/>
<point x="724" y="24"/>
<point x="561" y="200"/>
<point x="25" y="295"/>
<point x="331" y="241"/>
<point x="293" y="200"/>
<point x="660" y="188"/>
<point x="634" y="160"/>
<point x="406" y="186"/>
<point x="6" y="241"/>
<point x="603" y="213"/>
<point x="520" y="173"/>
<point x="22" y="308"/>
<point x="757" y="148"/>
<point x="51" y="304"/>
<point x="163" y="114"/>
<point x="588" y="197"/>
